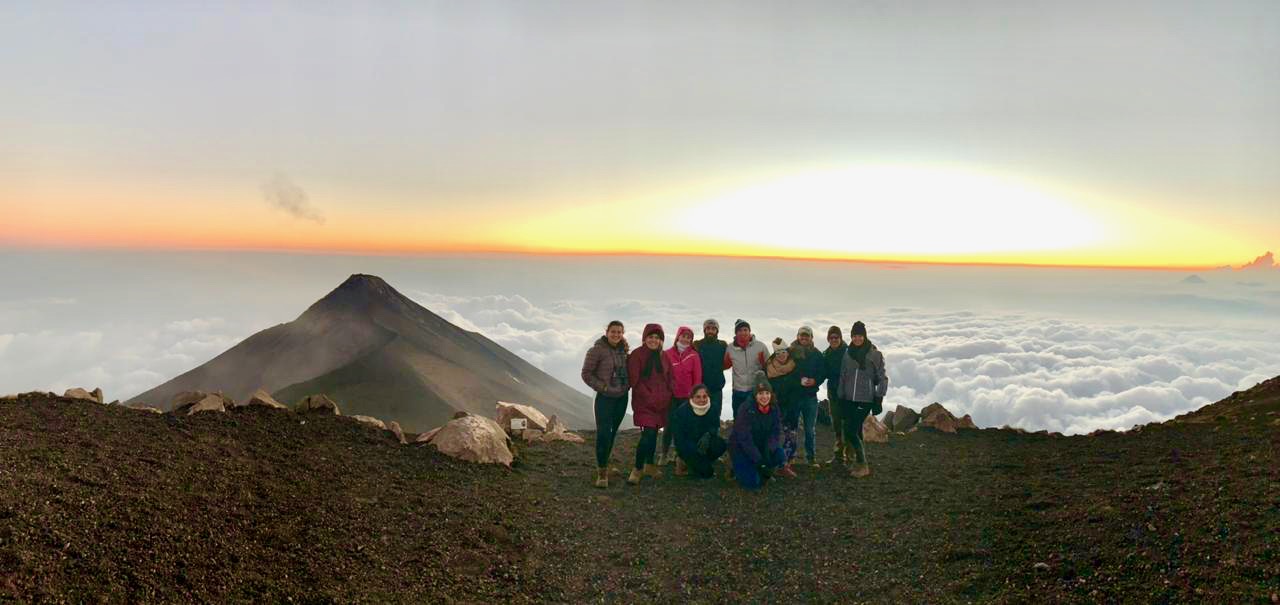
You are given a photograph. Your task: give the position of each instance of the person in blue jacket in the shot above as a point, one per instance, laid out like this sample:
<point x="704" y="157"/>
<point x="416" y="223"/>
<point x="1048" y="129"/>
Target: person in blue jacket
<point x="755" y="446"/>
<point x="697" y="434"/>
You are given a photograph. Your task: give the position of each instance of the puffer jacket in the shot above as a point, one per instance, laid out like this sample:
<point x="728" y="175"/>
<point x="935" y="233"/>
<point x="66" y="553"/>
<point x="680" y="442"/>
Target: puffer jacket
<point x="605" y="368"/>
<point x="857" y="384"/>
<point x="686" y="371"/>
<point x="651" y="395"/>
<point x="746" y="362"/>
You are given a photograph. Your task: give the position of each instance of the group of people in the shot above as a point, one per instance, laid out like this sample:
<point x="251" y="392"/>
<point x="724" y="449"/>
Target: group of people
<point x="679" y="391"/>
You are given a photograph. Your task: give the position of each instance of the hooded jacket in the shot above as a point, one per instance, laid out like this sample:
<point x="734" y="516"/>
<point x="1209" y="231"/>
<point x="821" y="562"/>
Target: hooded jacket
<point x="686" y="371"/>
<point x="605" y="368"/>
<point x="755" y="435"/>
<point x="650" y="395"/>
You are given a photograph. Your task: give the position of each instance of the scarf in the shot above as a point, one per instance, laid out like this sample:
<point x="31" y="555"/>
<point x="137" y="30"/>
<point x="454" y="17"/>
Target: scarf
<point x="764" y="409"/>
<point x="799" y="352"/>
<point x="700" y="410"/>
<point x="742" y="341"/>
<point x="859" y="354"/>
<point x="681" y="347"/>
<point x="777" y="368"/>
<point x="654" y="361"/>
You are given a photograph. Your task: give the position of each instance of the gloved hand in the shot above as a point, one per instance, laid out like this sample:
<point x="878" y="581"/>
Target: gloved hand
<point x="704" y="443"/>
<point x="877" y="406"/>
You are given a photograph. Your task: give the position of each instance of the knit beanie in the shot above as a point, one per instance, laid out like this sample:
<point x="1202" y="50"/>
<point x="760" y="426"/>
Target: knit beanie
<point x="805" y="331"/>
<point x="711" y="323"/>
<point x="740" y="324"/>
<point x="780" y="345"/>
<point x="654" y="329"/>
<point x="859" y="329"/>
<point x="834" y="331"/>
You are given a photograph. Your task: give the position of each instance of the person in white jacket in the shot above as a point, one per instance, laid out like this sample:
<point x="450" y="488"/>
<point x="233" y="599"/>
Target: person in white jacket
<point x="747" y="356"/>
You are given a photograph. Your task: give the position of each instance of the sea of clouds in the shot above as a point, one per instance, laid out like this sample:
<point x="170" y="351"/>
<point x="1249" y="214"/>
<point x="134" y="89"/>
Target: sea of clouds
<point x="1024" y="370"/>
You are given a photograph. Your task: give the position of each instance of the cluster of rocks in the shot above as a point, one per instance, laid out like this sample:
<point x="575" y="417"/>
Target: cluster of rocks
<point x="488" y="441"/>
<point x="934" y="416"/>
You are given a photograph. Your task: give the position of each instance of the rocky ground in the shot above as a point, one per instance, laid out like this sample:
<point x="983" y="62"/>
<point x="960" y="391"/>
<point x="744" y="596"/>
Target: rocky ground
<point x="102" y="503"/>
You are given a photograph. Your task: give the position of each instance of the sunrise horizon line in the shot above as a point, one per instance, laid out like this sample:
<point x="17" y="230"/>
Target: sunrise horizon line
<point x="516" y="251"/>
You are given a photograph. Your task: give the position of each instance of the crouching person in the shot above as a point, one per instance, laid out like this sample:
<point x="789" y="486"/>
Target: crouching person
<point x="755" y="446"/>
<point x="697" y="434"/>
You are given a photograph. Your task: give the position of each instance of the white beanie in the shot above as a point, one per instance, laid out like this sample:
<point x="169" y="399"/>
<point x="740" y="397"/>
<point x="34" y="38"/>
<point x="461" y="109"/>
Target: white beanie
<point x="780" y="345"/>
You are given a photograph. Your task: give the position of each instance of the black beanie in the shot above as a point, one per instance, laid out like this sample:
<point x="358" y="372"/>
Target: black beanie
<point x="740" y="324"/>
<point x="859" y="329"/>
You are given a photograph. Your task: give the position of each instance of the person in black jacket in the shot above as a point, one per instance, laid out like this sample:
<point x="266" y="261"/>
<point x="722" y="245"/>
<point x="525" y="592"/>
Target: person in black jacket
<point x="833" y="358"/>
<point x="811" y="369"/>
<point x="697" y="434"/>
<point x="715" y="360"/>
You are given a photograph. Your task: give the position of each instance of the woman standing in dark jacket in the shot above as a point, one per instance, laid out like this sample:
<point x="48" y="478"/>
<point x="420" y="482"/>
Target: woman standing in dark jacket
<point x="863" y="383"/>
<point x="650" y="374"/>
<point x="697" y="434"/>
<point x="755" y="445"/>
<point x="605" y="371"/>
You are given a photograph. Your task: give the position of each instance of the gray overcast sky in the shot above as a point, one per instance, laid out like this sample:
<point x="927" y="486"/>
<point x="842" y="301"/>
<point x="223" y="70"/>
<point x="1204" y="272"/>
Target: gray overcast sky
<point x="397" y="107"/>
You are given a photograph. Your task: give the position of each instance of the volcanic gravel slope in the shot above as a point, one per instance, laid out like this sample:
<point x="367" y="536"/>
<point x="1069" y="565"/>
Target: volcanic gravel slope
<point x="107" y="503"/>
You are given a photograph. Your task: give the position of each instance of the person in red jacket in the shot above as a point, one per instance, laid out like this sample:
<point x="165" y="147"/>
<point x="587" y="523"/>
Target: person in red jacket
<point x="686" y="371"/>
<point x="650" y="375"/>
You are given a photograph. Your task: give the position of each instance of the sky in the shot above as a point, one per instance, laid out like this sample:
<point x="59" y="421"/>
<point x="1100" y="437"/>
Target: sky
<point x="1070" y="350"/>
<point x="1108" y="134"/>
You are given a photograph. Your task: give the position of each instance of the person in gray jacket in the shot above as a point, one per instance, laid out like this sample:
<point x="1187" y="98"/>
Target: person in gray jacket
<point x="747" y="356"/>
<point x="863" y="383"/>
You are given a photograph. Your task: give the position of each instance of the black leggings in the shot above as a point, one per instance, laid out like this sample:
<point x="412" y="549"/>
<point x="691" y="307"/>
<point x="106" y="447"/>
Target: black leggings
<point x="644" y="450"/>
<point x="855" y="413"/>
<point x="609" y="413"/>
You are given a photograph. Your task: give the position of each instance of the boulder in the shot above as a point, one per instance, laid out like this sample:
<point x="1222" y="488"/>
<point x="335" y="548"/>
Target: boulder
<point x="506" y="412"/>
<point x="531" y="435"/>
<point x="460" y="414"/>
<point x="146" y="408"/>
<point x="427" y="436"/>
<point x="904" y="419"/>
<point x="79" y="393"/>
<point x="395" y="429"/>
<point x="318" y="403"/>
<point x="937" y="417"/>
<point x="874" y="431"/>
<point x="557" y="431"/>
<point x="966" y="423"/>
<point x="472" y="438"/>
<point x="371" y="421"/>
<point x="191" y="402"/>
<point x="261" y="398"/>
<point x="888" y="418"/>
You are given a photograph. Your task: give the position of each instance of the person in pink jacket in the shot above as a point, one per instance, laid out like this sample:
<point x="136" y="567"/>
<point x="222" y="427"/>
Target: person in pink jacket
<point x="686" y="371"/>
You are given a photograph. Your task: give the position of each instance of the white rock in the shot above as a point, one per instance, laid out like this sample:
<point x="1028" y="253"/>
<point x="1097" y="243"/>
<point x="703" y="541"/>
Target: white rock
<point x="261" y="398"/>
<point x="874" y="431"/>
<point x="79" y="393"/>
<point x="371" y="421"/>
<point x="395" y="429"/>
<point x="318" y="403"/>
<point x="472" y="438"/>
<point x="507" y="411"/>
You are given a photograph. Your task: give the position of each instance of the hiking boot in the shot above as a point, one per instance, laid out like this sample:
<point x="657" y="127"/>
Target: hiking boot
<point x="681" y="469"/>
<point x="860" y="470"/>
<point x="653" y="470"/>
<point x="814" y="464"/>
<point x="602" y="477"/>
<point x="786" y="472"/>
<point x="634" y="479"/>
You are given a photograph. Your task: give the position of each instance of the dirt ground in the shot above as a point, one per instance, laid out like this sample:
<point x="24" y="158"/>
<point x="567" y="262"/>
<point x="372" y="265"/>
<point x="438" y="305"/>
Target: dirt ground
<point x="103" y="503"/>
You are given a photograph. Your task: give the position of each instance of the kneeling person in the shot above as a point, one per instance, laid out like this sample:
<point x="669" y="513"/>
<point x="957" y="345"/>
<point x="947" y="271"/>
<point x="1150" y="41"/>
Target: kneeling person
<point x="755" y="447"/>
<point x="697" y="434"/>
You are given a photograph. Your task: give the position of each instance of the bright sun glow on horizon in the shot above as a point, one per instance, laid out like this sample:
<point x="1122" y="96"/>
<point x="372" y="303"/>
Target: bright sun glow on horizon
<point x="898" y="210"/>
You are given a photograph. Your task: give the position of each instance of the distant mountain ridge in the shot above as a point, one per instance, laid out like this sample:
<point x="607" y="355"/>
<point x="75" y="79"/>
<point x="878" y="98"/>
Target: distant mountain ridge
<point x="381" y="354"/>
